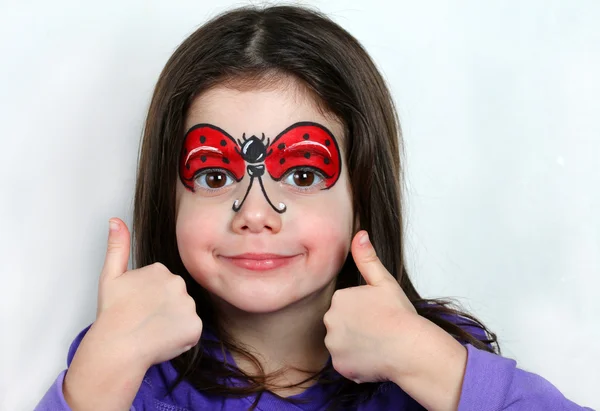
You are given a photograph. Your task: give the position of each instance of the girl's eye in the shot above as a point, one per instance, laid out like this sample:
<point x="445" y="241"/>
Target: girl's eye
<point x="303" y="178"/>
<point x="213" y="179"/>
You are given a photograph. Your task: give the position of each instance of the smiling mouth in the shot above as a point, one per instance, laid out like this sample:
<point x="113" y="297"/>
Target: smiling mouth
<point x="260" y="262"/>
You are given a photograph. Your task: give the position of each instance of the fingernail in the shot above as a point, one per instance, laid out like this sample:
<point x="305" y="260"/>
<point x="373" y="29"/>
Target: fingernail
<point x="113" y="225"/>
<point x="364" y="240"/>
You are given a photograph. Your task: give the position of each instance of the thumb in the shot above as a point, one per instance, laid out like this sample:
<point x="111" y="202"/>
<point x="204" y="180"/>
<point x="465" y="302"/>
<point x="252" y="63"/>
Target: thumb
<point x="117" y="251"/>
<point x="367" y="262"/>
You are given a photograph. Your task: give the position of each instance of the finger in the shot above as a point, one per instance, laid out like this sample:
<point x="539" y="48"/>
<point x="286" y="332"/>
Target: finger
<point x="367" y="261"/>
<point x="117" y="251"/>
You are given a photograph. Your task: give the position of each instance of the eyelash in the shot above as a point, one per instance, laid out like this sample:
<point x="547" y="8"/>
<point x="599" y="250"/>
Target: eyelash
<point x="289" y="173"/>
<point x="203" y="173"/>
<point x="316" y="172"/>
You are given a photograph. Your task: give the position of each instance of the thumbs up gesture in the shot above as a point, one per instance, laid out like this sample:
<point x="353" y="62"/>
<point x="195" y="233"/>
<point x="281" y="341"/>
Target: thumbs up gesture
<point x="149" y="308"/>
<point x="373" y="330"/>
<point x="144" y="317"/>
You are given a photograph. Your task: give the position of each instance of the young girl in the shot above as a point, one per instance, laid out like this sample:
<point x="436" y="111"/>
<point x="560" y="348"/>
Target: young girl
<point x="268" y="239"/>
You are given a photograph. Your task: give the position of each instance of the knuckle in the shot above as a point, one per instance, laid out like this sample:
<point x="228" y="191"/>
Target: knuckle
<point x="370" y="257"/>
<point x="335" y="298"/>
<point x="177" y="283"/>
<point x="158" y="266"/>
<point x="197" y="328"/>
<point x="327" y="320"/>
<point x="113" y="247"/>
<point x="338" y="365"/>
<point x="192" y="303"/>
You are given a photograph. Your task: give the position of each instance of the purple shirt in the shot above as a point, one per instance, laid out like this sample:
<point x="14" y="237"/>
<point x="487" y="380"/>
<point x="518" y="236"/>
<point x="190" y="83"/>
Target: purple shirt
<point x="491" y="383"/>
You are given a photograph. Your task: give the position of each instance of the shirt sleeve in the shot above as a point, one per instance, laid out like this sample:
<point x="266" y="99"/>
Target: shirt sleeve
<point x="54" y="400"/>
<point x="494" y="383"/>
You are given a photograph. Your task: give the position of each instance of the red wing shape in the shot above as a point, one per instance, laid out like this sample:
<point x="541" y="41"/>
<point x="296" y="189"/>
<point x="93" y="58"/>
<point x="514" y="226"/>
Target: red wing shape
<point x="208" y="147"/>
<point x="305" y="144"/>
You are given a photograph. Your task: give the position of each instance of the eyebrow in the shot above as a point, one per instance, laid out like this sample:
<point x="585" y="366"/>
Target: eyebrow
<point x="202" y="148"/>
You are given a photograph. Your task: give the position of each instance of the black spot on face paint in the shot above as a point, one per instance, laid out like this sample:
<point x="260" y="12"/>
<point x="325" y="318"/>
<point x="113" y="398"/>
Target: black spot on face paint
<point x="187" y="166"/>
<point x="281" y="146"/>
<point x="326" y="160"/>
<point x="202" y="139"/>
<point x="327" y="143"/>
<point x="307" y="155"/>
<point x="223" y="143"/>
<point x="282" y="161"/>
<point x="225" y="160"/>
<point x="305" y="136"/>
<point x="203" y="158"/>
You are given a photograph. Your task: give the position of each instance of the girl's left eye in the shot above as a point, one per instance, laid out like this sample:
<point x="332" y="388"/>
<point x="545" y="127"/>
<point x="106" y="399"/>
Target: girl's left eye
<point x="303" y="179"/>
<point x="213" y="179"/>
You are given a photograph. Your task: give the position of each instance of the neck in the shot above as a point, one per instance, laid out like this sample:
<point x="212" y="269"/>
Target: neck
<point x="285" y="340"/>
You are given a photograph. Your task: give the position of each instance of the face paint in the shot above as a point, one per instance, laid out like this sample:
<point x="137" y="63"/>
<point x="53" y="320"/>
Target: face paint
<point x="303" y="145"/>
<point x="209" y="147"/>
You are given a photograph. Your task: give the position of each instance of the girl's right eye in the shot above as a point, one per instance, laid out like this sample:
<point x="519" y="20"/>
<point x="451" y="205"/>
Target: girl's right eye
<point x="213" y="179"/>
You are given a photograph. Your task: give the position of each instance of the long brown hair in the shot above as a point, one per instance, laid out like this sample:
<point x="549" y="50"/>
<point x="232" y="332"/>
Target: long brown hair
<point x="249" y="43"/>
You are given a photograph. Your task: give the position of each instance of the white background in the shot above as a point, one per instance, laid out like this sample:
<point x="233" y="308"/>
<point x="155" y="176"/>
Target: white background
<point x="499" y="103"/>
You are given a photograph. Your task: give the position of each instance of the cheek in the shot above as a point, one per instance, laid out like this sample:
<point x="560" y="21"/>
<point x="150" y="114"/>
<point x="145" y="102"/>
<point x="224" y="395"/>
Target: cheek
<point x="326" y="231"/>
<point x="197" y="229"/>
<point x="326" y="225"/>
<point x="328" y="249"/>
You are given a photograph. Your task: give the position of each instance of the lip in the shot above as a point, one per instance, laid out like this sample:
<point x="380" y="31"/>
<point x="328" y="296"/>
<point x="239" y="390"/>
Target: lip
<point x="260" y="261"/>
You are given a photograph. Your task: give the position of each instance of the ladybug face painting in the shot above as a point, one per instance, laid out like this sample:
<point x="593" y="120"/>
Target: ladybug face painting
<point x="304" y="146"/>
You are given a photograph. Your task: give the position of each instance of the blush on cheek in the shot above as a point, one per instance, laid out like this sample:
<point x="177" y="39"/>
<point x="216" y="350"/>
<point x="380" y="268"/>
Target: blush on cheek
<point x="187" y="243"/>
<point x="196" y="255"/>
<point x="334" y="220"/>
<point x="328" y="237"/>
<point x="196" y="230"/>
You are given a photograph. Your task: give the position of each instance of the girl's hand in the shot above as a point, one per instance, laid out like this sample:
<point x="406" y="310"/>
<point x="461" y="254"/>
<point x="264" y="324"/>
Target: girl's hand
<point x="365" y="324"/>
<point x="375" y="334"/>
<point x="144" y="317"/>
<point x="148" y="309"/>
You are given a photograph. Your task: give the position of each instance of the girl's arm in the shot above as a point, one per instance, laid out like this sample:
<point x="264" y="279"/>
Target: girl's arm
<point x="100" y="381"/>
<point x="453" y="377"/>
<point x="144" y="317"/>
<point x="494" y="382"/>
<point x="374" y="333"/>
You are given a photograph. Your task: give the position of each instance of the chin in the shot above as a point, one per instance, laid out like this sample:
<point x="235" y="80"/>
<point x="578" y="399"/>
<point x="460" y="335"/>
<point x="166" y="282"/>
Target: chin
<point x="262" y="306"/>
<point x="265" y="299"/>
<point x="261" y="302"/>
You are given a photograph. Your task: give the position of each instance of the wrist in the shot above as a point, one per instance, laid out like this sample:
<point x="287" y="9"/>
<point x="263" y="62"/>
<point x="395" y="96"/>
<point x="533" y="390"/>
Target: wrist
<point x="117" y="345"/>
<point x="435" y="373"/>
<point x="102" y="375"/>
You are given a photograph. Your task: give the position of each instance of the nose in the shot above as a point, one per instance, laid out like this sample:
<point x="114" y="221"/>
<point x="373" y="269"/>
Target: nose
<point x="256" y="214"/>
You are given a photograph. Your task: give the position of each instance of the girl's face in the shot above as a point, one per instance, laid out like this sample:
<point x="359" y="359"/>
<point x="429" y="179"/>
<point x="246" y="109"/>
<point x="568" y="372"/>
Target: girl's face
<point x="263" y="248"/>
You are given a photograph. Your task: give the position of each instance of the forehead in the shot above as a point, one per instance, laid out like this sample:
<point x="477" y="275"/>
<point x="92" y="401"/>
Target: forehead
<point x="267" y="110"/>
